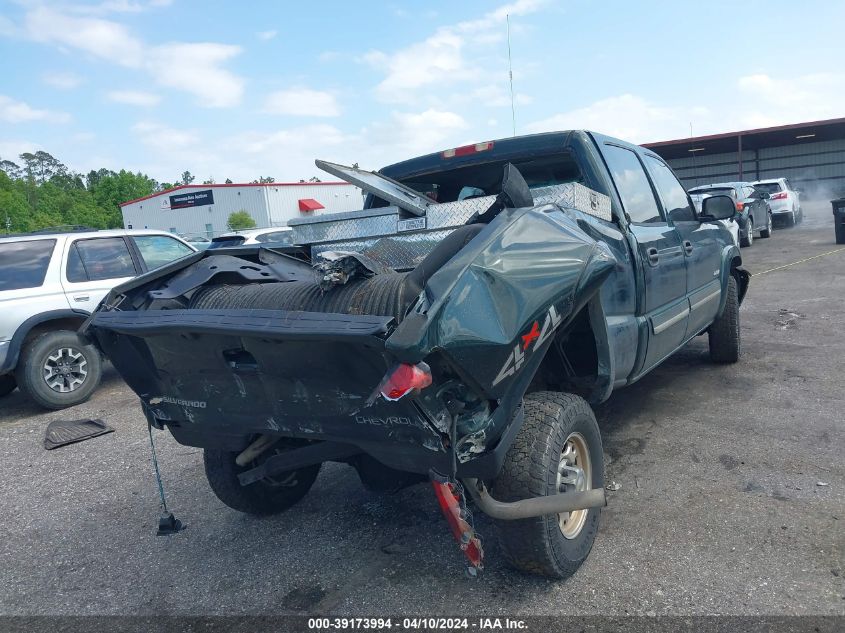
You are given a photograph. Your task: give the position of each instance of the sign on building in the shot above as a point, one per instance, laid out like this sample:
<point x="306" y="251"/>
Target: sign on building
<point x="192" y="199"/>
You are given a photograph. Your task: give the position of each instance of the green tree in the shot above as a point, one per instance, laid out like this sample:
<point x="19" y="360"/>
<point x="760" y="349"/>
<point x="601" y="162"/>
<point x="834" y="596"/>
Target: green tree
<point x="113" y="189"/>
<point x="14" y="206"/>
<point x="10" y="168"/>
<point x="240" y="220"/>
<point x="187" y="178"/>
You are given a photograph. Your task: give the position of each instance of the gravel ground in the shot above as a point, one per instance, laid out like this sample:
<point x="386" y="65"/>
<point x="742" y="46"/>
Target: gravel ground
<point x="720" y="508"/>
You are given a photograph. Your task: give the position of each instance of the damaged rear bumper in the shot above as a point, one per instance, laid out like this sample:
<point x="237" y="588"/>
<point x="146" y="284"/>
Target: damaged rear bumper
<point x="219" y="378"/>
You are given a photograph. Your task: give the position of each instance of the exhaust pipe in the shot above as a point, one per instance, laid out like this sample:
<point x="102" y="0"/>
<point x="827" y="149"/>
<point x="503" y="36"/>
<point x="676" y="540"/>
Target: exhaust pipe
<point x="535" y="507"/>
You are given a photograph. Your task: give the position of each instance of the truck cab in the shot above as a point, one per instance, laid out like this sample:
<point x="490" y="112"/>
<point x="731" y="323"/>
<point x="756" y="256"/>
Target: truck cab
<point x="672" y="272"/>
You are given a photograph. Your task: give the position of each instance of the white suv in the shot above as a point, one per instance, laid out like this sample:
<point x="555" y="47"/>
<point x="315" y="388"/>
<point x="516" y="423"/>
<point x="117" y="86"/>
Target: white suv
<point x="784" y="201"/>
<point x="281" y="235"/>
<point x="49" y="284"/>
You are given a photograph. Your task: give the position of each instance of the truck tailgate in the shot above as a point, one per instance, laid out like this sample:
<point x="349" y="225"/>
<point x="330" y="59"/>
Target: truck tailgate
<point x="305" y="374"/>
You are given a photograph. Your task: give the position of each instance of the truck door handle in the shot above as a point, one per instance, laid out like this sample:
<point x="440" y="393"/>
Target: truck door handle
<point x="688" y="247"/>
<point x="653" y="256"/>
<point x="81" y="298"/>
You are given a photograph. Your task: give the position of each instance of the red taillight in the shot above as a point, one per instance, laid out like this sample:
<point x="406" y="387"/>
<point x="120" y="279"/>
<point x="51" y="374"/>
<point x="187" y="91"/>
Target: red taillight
<point x="739" y="206"/>
<point x="468" y="149"/>
<point x="778" y="196"/>
<point x="404" y="379"/>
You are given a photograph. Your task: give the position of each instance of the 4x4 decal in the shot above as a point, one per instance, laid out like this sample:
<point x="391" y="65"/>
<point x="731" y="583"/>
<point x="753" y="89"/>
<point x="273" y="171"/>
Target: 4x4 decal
<point x="535" y="335"/>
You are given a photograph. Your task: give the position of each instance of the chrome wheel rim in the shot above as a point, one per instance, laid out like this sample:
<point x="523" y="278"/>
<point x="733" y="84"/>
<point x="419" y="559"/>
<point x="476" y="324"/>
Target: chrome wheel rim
<point x="65" y="370"/>
<point x="574" y="473"/>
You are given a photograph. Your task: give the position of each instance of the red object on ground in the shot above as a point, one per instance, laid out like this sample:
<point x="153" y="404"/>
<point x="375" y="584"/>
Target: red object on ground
<point x="462" y="531"/>
<point x="309" y="204"/>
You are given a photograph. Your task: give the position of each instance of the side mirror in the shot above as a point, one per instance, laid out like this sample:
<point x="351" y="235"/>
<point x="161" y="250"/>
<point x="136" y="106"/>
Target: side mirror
<point x="717" y="208"/>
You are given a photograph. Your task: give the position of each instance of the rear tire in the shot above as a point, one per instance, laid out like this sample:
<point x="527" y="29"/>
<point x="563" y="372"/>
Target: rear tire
<point x="767" y="232"/>
<point x="748" y="240"/>
<point x="7" y="384"/>
<point x="724" y="336"/>
<point x="840" y="229"/>
<point x="261" y="498"/>
<point x="554" y="423"/>
<point x="41" y="370"/>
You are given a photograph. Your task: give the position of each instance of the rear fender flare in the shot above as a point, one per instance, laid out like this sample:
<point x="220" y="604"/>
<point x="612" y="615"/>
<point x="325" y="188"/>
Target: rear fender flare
<point x="732" y="266"/>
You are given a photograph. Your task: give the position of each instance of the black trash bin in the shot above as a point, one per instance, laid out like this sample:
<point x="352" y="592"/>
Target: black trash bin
<point x="839" y="219"/>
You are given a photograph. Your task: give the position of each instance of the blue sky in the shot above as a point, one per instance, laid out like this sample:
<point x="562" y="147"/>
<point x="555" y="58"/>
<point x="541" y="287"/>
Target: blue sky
<point x="248" y="89"/>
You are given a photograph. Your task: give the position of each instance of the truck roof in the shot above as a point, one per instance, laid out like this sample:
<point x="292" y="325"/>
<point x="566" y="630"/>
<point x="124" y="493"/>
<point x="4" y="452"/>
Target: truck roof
<point x="498" y="149"/>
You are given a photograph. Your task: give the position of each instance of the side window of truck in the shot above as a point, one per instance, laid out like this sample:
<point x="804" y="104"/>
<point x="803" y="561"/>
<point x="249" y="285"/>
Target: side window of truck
<point x="675" y="200"/>
<point x="632" y="185"/>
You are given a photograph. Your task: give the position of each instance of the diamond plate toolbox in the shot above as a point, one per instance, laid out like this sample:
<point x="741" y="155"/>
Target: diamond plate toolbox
<point x="400" y="240"/>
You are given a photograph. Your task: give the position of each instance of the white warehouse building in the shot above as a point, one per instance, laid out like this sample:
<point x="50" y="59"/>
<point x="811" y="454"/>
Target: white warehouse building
<point x="205" y="209"/>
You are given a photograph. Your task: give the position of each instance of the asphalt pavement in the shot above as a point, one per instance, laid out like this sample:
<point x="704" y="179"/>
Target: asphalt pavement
<point x="732" y="497"/>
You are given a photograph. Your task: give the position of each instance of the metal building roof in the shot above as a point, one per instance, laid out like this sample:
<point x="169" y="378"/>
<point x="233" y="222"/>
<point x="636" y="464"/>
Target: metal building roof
<point x="229" y="184"/>
<point x="811" y="131"/>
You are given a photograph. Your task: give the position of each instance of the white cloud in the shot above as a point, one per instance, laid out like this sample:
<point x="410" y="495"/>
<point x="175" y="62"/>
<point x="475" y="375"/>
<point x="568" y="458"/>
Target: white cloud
<point x="302" y="102"/>
<point x="759" y="100"/>
<point x="195" y="68"/>
<point x="134" y="97"/>
<point x="329" y="56"/>
<point x="414" y="133"/>
<point x="13" y="111"/>
<point x="419" y="65"/>
<point x="62" y="81"/>
<point x="768" y="101"/>
<point x="286" y="154"/>
<point x="626" y="116"/>
<point x="441" y="59"/>
<point x="492" y="95"/>
<point x="103" y="39"/>
<point x="300" y="140"/>
<point x="166" y="139"/>
<point x="12" y="149"/>
<point x="120" y="6"/>
<point x="267" y="35"/>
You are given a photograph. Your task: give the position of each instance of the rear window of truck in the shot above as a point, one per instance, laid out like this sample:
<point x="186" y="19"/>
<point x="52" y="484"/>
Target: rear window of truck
<point x="24" y="264"/>
<point x="485" y="179"/>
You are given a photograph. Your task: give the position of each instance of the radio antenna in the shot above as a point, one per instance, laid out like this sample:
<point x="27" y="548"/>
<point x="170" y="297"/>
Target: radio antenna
<point x="510" y="73"/>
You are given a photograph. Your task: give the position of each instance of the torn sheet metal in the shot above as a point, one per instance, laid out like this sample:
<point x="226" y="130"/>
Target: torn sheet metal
<point x="335" y="268"/>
